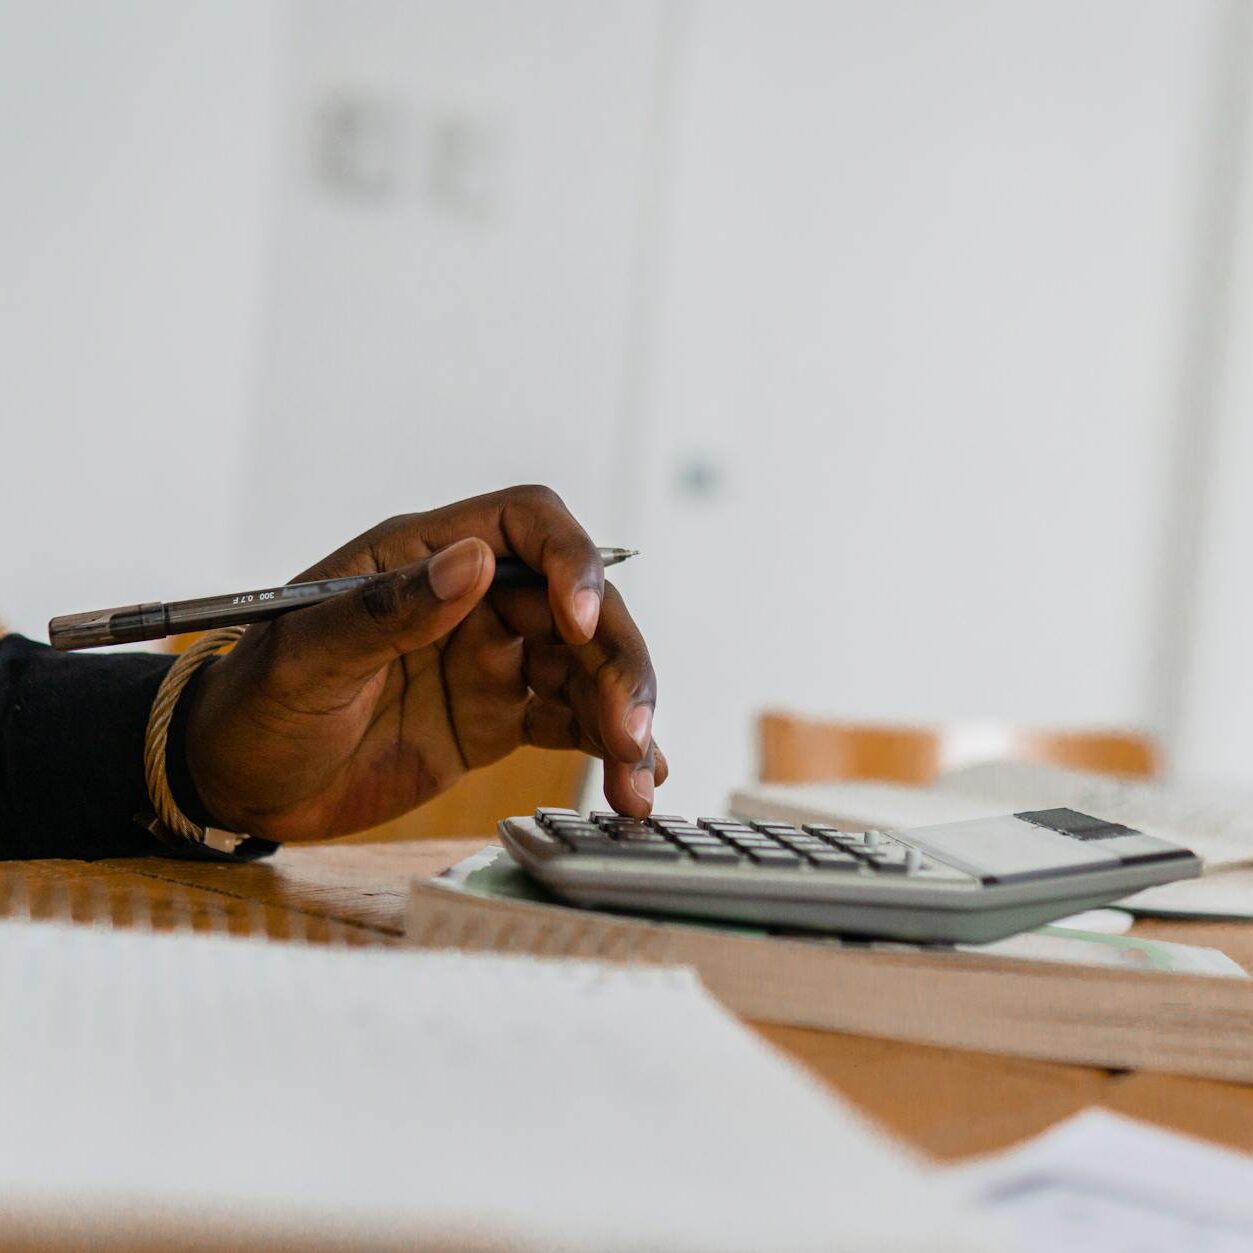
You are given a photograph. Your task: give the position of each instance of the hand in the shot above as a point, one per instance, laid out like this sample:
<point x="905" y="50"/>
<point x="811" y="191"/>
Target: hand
<point x="337" y="717"/>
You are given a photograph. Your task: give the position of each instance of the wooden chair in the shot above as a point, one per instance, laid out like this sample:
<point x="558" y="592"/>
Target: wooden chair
<point x="519" y="784"/>
<point x="798" y="749"/>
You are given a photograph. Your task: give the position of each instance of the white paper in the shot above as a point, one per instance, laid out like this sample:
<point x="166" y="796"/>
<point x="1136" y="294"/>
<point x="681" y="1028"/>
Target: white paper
<point x="368" y="1095"/>
<point x="1225" y="894"/>
<point x="1100" y="1183"/>
<point x="1067" y="944"/>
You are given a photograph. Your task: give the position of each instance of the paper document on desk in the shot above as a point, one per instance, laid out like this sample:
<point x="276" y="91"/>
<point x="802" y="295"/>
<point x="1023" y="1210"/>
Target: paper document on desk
<point x="231" y="1089"/>
<point x="1100" y="1183"/>
<point x="1091" y="939"/>
<point x="1216" y="824"/>
<point x="1225" y="894"/>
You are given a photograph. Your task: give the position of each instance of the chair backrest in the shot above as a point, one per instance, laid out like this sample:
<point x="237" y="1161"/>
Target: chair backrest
<point x="517" y="784"/>
<point x="797" y="749"/>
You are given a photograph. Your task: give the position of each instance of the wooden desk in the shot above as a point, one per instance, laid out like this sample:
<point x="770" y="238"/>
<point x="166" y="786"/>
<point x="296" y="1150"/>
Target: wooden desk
<point x="948" y="1103"/>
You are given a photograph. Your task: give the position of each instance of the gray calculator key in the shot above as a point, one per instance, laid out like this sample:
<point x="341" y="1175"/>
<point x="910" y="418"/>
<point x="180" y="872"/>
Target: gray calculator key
<point x="715" y="854"/>
<point x="590" y="843"/>
<point x="751" y="841"/>
<point x="887" y="863"/>
<point x="831" y="860"/>
<point x="775" y="856"/>
<point x="641" y="835"/>
<point x="637" y="851"/>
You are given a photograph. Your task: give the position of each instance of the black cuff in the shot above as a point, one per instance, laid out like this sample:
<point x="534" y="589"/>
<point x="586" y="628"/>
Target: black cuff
<point x="71" y="753"/>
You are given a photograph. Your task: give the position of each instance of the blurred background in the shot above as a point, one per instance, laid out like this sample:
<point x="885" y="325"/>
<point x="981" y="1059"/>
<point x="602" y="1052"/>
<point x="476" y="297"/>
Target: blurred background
<point x="911" y="342"/>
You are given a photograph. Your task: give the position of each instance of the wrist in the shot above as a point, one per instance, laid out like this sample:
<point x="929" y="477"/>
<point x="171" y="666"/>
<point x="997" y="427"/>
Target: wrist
<point x="189" y="753"/>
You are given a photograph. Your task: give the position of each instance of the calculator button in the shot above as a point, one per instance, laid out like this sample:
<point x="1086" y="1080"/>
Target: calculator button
<point x="803" y="843"/>
<point x="641" y="835"/>
<point x="776" y="828"/>
<point x="751" y="841"/>
<point x="714" y="854"/>
<point x="682" y="828"/>
<point x="831" y="860"/>
<point x="698" y="841"/>
<point x="621" y="829"/>
<point x="636" y="852"/>
<point x="887" y="863"/>
<point x="546" y="816"/>
<point x="823" y="829"/>
<point x="589" y="843"/>
<point x="774" y="856"/>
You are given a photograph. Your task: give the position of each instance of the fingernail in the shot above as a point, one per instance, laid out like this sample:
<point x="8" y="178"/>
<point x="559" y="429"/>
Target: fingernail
<point x="454" y="570"/>
<point x="639" y="726"/>
<point x="587" y="611"/>
<point x="642" y="784"/>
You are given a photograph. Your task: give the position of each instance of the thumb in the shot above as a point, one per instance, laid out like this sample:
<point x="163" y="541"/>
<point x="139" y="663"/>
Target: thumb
<point x="347" y="639"/>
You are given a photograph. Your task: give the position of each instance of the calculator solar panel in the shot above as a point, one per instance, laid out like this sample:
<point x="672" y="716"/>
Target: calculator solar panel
<point x="959" y="882"/>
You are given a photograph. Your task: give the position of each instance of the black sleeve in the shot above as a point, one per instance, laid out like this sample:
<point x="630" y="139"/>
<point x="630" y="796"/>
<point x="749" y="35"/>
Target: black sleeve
<point x="71" y="756"/>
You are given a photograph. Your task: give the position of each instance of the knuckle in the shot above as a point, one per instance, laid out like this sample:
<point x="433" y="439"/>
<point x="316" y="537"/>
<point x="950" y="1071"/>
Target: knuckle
<point x="540" y="495"/>
<point x="631" y="673"/>
<point x="383" y="600"/>
<point x="396" y="524"/>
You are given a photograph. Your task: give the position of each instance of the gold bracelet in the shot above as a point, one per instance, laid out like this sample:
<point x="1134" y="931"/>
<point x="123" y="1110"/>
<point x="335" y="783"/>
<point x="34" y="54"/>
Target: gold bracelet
<point x="176" y="679"/>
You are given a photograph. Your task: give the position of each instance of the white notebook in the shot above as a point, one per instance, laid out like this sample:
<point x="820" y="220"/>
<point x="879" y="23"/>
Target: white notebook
<point x="199" y="1084"/>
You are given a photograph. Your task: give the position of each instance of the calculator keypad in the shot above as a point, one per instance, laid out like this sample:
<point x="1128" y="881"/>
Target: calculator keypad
<point x="725" y="842"/>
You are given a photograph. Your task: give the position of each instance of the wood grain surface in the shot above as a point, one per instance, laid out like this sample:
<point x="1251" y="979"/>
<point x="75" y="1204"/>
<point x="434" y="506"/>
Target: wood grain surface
<point x="949" y="1104"/>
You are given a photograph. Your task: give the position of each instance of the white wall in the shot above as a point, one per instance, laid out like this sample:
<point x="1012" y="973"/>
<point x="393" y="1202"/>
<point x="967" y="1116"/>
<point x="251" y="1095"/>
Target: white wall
<point x="926" y="295"/>
<point x="1214" y="599"/>
<point x="134" y="150"/>
<point x="418" y="352"/>
<point x="926" y="281"/>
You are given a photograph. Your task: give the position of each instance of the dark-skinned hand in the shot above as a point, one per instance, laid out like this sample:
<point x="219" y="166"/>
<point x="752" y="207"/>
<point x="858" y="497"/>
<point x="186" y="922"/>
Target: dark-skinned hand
<point x="340" y="716"/>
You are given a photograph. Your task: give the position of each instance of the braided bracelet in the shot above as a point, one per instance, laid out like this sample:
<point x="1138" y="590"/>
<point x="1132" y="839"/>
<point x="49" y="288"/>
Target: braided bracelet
<point x="172" y="819"/>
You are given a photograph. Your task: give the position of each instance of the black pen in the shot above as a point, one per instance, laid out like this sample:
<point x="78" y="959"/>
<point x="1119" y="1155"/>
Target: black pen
<point x="155" y="620"/>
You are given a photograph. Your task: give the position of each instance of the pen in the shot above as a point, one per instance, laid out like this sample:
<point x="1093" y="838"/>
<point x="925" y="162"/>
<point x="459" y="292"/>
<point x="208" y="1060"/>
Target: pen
<point x="155" y="620"/>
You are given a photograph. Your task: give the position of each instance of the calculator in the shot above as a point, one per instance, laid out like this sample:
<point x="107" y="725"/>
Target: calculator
<point x="961" y="882"/>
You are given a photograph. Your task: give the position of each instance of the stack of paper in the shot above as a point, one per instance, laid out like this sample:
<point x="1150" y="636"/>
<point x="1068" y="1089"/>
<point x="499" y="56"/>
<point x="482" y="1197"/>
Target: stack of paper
<point x="160" y="1086"/>
<point x="1098" y="1183"/>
